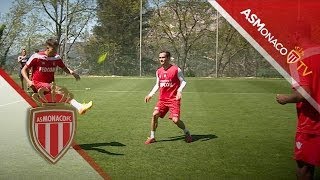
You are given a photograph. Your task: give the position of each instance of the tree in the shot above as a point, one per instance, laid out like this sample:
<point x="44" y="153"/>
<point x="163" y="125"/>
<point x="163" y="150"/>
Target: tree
<point x="188" y="28"/>
<point x="2" y="27"/>
<point x="10" y="31"/>
<point x="236" y="57"/>
<point x="1" y="30"/>
<point x="30" y="22"/>
<point x="117" y="33"/>
<point x="68" y="18"/>
<point x="178" y="25"/>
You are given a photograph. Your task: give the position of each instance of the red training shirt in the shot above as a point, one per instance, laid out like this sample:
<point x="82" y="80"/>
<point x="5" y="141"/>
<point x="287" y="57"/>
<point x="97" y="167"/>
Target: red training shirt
<point x="44" y="67"/>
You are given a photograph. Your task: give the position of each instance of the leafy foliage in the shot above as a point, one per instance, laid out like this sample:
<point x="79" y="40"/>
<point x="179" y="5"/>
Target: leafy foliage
<point x="117" y="33"/>
<point x="178" y="26"/>
<point x="187" y="28"/>
<point x="13" y="25"/>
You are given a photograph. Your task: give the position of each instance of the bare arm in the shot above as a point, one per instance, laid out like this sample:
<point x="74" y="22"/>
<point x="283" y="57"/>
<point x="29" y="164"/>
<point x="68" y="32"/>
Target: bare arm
<point x="294" y="97"/>
<point x="183" y="83"/>
<point x="24" y="73"/>
<point x="69" y="71"/>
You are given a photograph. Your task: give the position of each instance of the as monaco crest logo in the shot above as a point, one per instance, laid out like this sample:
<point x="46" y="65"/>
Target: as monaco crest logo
<point x="294" y="55"/>
<point x="52" y="125"/>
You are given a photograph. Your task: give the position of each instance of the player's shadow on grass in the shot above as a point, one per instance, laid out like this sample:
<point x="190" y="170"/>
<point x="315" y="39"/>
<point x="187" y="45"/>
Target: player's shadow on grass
<point x="195" y="137"/>
<point x="99" y="147"/>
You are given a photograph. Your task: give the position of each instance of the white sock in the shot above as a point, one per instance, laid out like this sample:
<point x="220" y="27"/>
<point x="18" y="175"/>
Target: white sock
<point x="152" y="134"/>
<point x="186" y="131"/>
<point x="75" y="104"/>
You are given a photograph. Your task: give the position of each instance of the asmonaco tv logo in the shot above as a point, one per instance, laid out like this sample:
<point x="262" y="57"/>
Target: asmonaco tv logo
<point x="52" y="125"/>
<point x="294" y="55"/>
<point x="261" y="27"/>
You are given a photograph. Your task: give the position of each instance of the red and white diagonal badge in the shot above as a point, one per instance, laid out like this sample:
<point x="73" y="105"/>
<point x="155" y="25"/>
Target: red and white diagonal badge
<point x="52" y="126"/>
<point x="52" y="130"/>
<point x="285" y="33"/>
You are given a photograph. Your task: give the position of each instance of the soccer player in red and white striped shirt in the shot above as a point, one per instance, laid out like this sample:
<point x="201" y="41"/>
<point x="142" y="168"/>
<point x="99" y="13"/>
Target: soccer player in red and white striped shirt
<point x="171" y="82"/>
<point x="44" y="64"/>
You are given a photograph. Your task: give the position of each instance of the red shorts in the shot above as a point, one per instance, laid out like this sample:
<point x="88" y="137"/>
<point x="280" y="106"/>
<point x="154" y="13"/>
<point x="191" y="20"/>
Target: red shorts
<point x="38" y="85"/>
<point x="307" y="148"/>
<point x="171" y="105"/>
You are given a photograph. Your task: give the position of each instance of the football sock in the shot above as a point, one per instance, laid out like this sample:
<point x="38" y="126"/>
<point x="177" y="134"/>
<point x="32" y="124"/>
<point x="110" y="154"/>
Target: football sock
<point x="186" y="131"/>
<point x="152" y="134"/>
<point x="75" y="104"/>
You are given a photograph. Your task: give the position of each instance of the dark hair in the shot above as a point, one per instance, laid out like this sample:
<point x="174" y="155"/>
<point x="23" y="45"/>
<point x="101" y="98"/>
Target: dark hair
<point x="52" y="43"/>
<point x="167" y="53"/>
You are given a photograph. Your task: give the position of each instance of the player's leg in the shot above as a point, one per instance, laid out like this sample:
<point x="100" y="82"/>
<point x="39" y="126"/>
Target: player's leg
<point x="21" y="79"/>
<point x="29" y="72"/>
<point x="175" y="117"/>
<point x="307" y="154"/>
<point x="22" y="84"/>
<point x="305" y="171"/>
<point x="154" y="125"/>
<point x="181" y="125"/>
<point x="37" y="85"/>
<point x="154" y="121"/>
<point x="159" y="111"/>
<point x="82" y="108"/>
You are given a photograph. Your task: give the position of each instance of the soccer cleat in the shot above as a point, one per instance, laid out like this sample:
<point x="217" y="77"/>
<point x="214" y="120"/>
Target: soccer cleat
<point x="150" y="140"/>
<point x="85" y="107"/>
<point x="188" y="138"/>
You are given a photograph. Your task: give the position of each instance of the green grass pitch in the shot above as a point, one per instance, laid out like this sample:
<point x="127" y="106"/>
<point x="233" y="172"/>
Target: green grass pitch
<point x="240" y="131"/>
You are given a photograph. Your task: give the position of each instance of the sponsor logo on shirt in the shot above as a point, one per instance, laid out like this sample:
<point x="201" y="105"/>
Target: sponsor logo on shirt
<point x="298" y="144"/>
<point x="166" y="83"/>
<point x="47" y="69"/>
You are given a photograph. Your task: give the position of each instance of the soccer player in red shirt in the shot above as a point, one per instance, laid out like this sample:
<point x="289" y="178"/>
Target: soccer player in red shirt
<point x="306" y="73"/>
<point x="171" y="82"/>
<point x="44" y="64"/>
